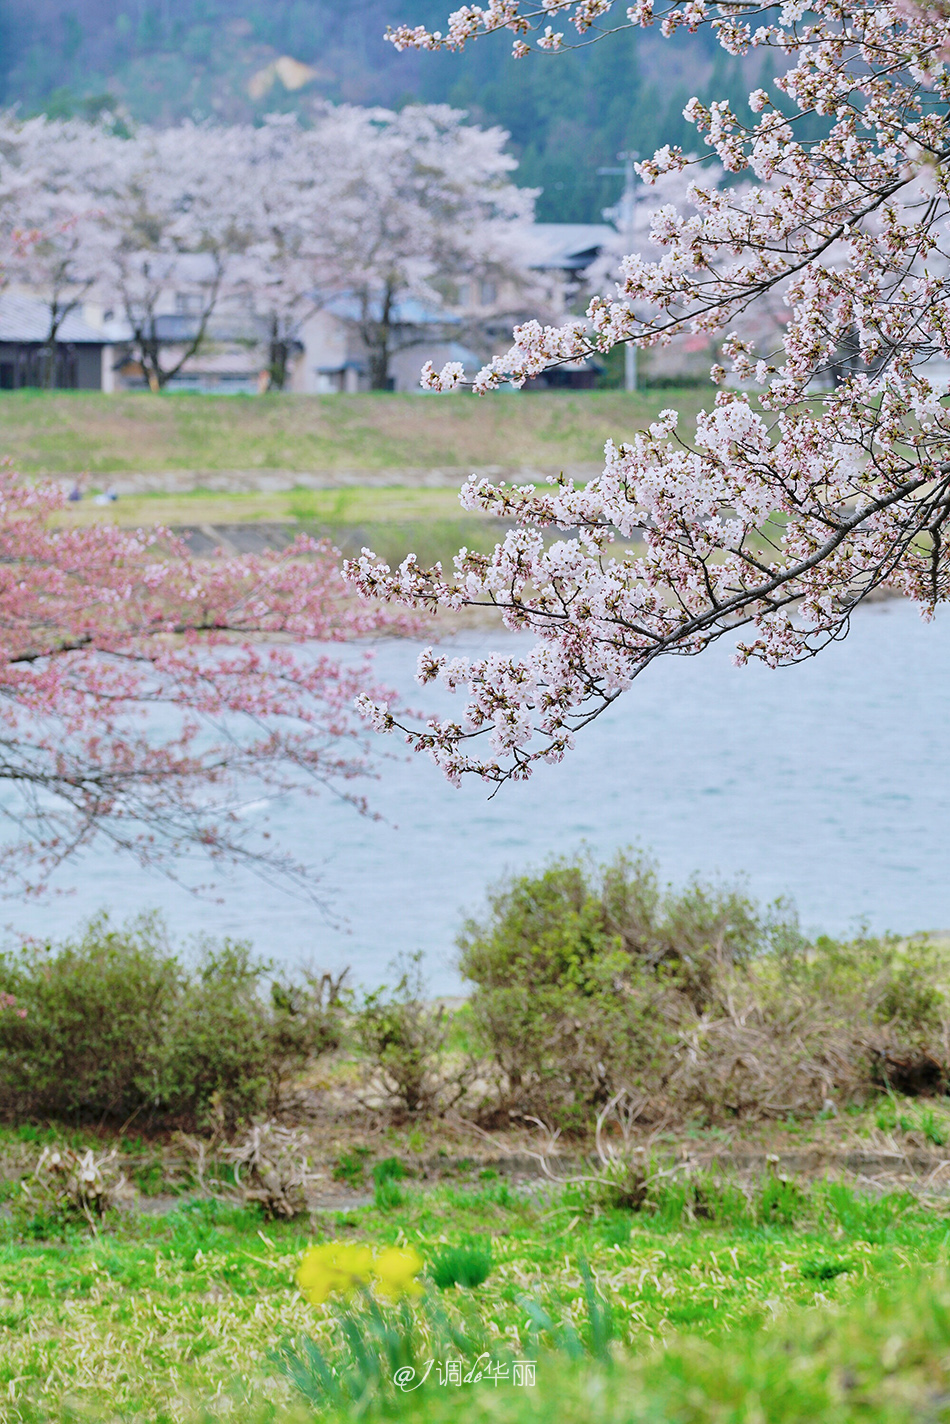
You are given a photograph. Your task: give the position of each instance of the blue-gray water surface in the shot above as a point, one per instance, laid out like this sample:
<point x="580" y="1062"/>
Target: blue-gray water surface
<point x="828" y="782"/>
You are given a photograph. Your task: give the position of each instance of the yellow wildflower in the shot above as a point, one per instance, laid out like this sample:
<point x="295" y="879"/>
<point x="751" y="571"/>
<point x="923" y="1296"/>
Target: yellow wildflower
<point x="396" y="1269"/>
<point x="339" y="1266"/>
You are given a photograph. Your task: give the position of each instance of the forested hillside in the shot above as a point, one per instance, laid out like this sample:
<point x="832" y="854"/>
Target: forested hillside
<point x="161" y="60"/>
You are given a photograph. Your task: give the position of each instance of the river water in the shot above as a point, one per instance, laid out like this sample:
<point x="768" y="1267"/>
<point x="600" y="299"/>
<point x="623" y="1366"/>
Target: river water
<point x="828" y="782"/>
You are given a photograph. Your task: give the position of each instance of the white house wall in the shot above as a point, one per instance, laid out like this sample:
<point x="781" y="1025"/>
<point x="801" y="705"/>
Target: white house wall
<point x="327" y="353"/>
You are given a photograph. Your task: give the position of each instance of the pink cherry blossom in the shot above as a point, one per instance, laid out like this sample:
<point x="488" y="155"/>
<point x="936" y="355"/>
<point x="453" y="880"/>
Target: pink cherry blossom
<point x="143" y="691"/>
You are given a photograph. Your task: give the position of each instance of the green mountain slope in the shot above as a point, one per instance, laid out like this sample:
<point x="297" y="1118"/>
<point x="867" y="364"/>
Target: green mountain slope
<point x="162" y="60"/>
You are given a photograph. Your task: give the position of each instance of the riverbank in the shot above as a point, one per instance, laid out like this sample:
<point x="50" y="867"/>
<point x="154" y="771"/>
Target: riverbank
<point x="271" y="441"/>
<point x="748" y="1289"/>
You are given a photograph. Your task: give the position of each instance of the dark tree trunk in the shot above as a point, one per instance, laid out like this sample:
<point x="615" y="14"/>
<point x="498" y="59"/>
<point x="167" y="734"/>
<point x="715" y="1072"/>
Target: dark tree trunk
<point x="378" y="336"/>
<point x="51" y="351"/>
<point x="277" y="359"/>
<point x="379" y="369"/>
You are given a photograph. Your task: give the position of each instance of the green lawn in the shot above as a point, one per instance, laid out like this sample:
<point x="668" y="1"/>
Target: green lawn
<point x="162" y="1313"/>
<point x="46" y="432"/>
<point x="393" y="522"/>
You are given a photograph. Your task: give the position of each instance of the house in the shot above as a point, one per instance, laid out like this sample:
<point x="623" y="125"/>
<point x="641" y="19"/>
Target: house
<point x="83" y="353"/>
<point x="228" y="361"/>
<point x="333" y="358"/>
<point x="96" y="351"/>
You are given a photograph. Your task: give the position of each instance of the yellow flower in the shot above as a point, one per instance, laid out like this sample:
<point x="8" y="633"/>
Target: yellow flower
<point x="396" y="1269"/>
<point x="339" y="1266"/>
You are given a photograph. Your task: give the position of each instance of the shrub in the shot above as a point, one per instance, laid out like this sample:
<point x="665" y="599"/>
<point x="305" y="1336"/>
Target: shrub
<point x="272" y="1168"/>
<point x="590" y="981"/>
<point x="403" y="1039"/>
<point x="230" y="1050"/>
<point x="97" y="1017"/>
<point x="67" y="1187"/>
<point x="116" y="1026"/>
<point x="583" y="974"/>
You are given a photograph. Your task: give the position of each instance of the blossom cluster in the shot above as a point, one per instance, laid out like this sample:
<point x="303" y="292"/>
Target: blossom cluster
<point x="140" y="684"/>
<point x="822" y="469"/>
<point x="344" y="1267"/>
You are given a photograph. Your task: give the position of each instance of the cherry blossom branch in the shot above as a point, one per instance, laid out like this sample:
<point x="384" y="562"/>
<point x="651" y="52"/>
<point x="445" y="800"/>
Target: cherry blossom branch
<point x="785" y="509"/>
<point x="144" y="692"/>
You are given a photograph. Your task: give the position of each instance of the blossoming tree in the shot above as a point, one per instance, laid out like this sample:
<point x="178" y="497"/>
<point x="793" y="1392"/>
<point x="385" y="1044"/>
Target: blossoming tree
<point x="49" y="173"/>
<point x="784" y="509"/>
<point x="144" y="693"/>
<point x="413" y="201"/>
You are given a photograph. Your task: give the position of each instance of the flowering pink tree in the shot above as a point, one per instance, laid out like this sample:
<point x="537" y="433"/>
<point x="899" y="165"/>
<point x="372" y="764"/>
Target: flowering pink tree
<point x="285" y="201"/>
<point x="144" y="691"/>
<point x="174" y="212"/>
<point x="780" y="513"/>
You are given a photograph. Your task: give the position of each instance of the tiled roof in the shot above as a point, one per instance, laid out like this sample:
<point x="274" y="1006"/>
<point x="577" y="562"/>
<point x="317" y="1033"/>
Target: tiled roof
<point x="567" y="246"/>
<point x="24" y="318"/>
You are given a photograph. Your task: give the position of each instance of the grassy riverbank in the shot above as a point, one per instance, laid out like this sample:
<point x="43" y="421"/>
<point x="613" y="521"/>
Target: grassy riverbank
<point x="393" y="521"/>
<point x="173" y="1315"/>
<point x="50" y="432"/>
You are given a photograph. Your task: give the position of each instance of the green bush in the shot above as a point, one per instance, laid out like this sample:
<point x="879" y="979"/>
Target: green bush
<point x="582" y="973"/>
<point x="594" y="980"/>
<point x="97" y="1017"/>
<point x="402" y="1038"/>
<point x="118" y="1026"/>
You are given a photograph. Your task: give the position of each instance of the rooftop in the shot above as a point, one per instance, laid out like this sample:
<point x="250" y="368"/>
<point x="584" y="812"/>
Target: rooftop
<point x="26" y="319"/>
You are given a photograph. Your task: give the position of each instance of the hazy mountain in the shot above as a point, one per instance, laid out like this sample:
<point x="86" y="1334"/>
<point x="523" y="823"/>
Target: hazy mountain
<point x="163" y="59"/>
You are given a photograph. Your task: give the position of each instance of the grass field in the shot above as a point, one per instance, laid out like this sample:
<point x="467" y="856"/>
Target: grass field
<point x="393" y="522"/>
<point x="45" y="432"/>
<point x="173" y="1316"/>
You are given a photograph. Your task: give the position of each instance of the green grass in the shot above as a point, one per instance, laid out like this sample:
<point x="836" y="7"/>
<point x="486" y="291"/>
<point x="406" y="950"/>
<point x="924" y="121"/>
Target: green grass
<point x="883" y="1360"/>
<point x="46" y="432"/>
<point x="393" y="521"/>
<point x="160" y="1313"/>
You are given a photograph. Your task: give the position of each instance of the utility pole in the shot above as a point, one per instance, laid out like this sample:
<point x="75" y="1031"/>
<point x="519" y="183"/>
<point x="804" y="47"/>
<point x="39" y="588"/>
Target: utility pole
<point x="623" y="214"/>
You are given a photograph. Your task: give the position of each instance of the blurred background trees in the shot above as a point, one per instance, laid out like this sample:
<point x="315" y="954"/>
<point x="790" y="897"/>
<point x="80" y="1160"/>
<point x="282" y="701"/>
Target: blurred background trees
<point x="159" y="61"/>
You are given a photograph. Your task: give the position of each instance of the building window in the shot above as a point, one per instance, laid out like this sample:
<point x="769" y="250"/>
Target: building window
<point x="488" y="294"/>
<point x="188" y="303"/>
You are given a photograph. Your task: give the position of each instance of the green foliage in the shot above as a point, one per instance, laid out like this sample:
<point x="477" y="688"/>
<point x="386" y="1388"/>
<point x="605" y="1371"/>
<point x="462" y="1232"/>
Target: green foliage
<point x="594" y="980"/>
<point x="824" y="1270"/>
<point x="900" y="982"/>
<point x="117" y="1026"/>
<point x="403" y="1037"/>
<point x="387" y="1173"/>
<point x="388" y="1169"/>
<point x="350" y="1167"/>
<point x="467" y="1266"/>
<point x="886" y="1358"/>
<point x="387" y="1195"/>
<point x="571" y="966"/>
<point x="936" y="1130"/>
<point x="200" y="1295"/>
<point x="376" y="1348"/>
<point x="97" y="1014"/>
<point x="781" y="1201"/>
